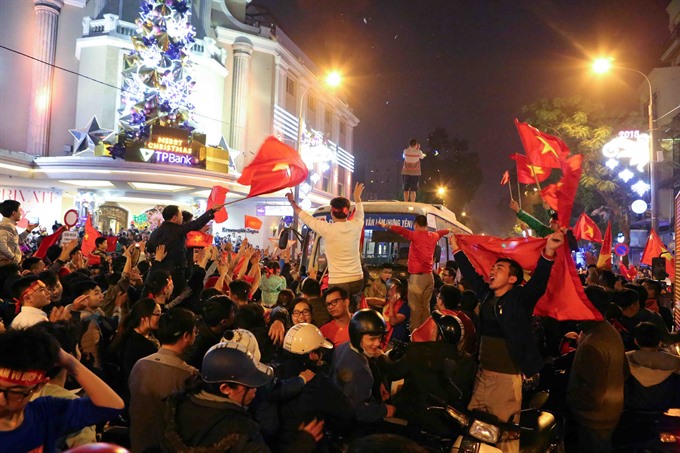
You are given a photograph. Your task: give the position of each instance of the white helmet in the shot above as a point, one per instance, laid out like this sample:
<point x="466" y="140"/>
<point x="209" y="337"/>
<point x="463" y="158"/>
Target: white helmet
<point x="304" y="338"/>
<point x="246" y="338"/>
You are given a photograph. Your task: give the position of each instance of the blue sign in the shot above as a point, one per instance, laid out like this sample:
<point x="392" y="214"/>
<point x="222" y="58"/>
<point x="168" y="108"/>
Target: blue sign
<point x="621" y="250"/>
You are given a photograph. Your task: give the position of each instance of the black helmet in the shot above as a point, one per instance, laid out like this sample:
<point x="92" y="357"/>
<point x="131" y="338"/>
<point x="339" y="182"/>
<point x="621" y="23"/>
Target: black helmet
<point x="394" y="282"/>
<point x="365" y="322"/>
<point x="231" y="362"/>
<point x="450" y="327"/>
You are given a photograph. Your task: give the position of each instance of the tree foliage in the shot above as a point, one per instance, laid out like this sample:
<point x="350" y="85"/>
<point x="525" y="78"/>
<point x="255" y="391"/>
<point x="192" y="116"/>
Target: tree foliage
<point x="586" y="127"/>
<point x="451" y="165"/>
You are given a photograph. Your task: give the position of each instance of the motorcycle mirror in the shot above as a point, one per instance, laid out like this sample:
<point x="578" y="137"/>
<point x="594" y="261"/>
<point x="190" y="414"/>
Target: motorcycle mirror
<point x="283" y="238"/>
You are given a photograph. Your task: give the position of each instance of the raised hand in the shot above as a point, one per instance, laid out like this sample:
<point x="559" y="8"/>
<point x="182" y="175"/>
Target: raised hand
<point x="358" y="190"/>
<point x="160" y="252"/>
<point x="315" y="428"/>
<point x="514" y="205"/>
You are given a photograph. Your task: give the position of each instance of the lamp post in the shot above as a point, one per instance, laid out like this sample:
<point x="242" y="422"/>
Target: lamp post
<point x="441" y="191"/>
<point x="332" y="80"/>
<point x="603" y="65"/>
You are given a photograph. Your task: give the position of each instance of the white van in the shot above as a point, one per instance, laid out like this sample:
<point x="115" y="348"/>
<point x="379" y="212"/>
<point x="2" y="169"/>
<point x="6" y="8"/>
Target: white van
<point x="383" y="246"/>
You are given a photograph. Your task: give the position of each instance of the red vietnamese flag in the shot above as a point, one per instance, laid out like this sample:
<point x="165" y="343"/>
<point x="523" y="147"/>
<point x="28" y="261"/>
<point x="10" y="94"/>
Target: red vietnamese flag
<point x="655" y="249"/>
<point x="567" y="187"/>
<point x="527" y="173"/>
<point x="218" y="195"/>
<point x="252" y="222"/>
<point x="198" y="239"/>
<point x="629" y="272"/>
<point x="587" y="229"/>
<point x="542" y="149"/>
<point x="604" y="261"/>
<point x="564" y="298"/>
<point x="47" y="242"/>
<point x="506" y="178"/>
<point x="549" y="195"/>
<point x="91" y="234"/>
<point x="276" y="166"/>
<point x="111" y="242"/>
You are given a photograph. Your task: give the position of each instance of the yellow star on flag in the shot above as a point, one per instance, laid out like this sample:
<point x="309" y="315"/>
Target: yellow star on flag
<point x="547" y="148"/>
<point x="589" y="231"/>
<point x="535" y="170"/>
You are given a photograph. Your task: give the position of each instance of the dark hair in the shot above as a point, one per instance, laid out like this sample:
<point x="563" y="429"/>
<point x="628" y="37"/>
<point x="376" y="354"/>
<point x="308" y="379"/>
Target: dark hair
<point x="641" y="291"/>
<point x="143" y="267"/>
<point x="285" y="299"/>
<point x="28" y="349"/>
<point x="49" y="278"/>
<point x="337" y="289"/>
<point x="607" y="278"/>
<point x="515" y="269"/>
<point x="420" y="220"/>
<point x="99" y="240"/>
<point x="452" y="272"/>
<point x="412" y="142"/>
<point x="310" y="287"/>
<point x="654" y="285"/>
<point x="625" y="298"/>
<point x="647" y="335"/>
<point x="468" y="300"/>
<point x="386" y="266"/>
<point x="83" y="287"/>
<point x="170" y="211"/>
<point x="209" y="293"/>
<point x="66" y="333"/>
<point x="7" y="207"/>
<point x="450" y="296"/>
<point x="174" y="323"/>
<point x="53" y="252"/>
<point x="216" y="309"/>
<point x="250" y="316"/>
<point x="598" y="296"/>
<point x="30" y="262"/>
<point x="186" y="216"/>
<point x="273" y="265"/>
<point x="156" y="281"/>
<point x="22" y="284"/>
<point x="239" y="289"/>
<point x="301" y="300"/>
<point x="143" y="308"/>
<point x="338" y="205"/>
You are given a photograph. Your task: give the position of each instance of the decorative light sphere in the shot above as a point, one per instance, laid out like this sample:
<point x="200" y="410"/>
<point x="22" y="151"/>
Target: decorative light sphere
<point x="639" y="206"/>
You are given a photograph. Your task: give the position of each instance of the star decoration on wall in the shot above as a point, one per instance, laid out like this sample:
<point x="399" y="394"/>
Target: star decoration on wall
<point x="88" y="137"/>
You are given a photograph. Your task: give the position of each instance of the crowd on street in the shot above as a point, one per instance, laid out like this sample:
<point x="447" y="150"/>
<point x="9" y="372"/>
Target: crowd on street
<point x="158" y="347"/>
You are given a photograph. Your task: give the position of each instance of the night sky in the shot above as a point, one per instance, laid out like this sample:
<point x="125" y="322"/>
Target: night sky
<point x="469" y="66"/>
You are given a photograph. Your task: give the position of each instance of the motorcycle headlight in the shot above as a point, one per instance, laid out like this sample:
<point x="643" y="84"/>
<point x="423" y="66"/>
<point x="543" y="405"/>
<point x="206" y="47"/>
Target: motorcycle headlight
<point x="485" y="432"/>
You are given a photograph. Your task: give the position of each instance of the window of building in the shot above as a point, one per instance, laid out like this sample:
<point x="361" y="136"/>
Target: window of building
<point x="326" y="181"/>
<point x="328" y="116"/>
<point x="342" y="127"/>
<point x="341" y="181"/>
<point x="290" y="86"/>
<point x="311" y="103"/>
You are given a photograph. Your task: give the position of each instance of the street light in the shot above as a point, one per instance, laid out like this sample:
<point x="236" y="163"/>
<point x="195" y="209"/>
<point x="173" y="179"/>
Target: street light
<point x="603" y="65"/>
<point x="441" y="191"/>
<point x="332" y="80"/>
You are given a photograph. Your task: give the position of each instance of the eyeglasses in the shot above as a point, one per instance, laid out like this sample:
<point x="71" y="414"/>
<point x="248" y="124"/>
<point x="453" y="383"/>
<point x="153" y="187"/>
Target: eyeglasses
<point x="332" y="303"/>
<point x="17" y="396"/>
<point x="305" y="312"/>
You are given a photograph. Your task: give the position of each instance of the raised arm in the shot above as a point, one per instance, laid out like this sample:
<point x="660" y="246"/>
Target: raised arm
<point x="97" y="390"/>
<point x="479" y="286"/>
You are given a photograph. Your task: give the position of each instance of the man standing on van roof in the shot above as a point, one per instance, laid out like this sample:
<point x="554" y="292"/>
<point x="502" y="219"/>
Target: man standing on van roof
<point x="411" y="170"/>
<point x="420" y="263"/>
<point x="342" y="237"/>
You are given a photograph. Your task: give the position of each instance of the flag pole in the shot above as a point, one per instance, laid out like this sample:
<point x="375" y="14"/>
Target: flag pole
<point x="519" y="193"/>
<point x="510" y="189"/>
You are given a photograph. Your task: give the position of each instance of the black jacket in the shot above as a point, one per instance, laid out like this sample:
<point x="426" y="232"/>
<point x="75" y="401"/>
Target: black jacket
<point x="173" y="236"/>
<point x="514" y="310"/>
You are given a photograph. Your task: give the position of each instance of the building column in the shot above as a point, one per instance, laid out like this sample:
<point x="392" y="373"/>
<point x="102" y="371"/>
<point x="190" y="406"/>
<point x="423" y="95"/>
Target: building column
<point x="243" y="49"/>
<point x="44" y="49"/>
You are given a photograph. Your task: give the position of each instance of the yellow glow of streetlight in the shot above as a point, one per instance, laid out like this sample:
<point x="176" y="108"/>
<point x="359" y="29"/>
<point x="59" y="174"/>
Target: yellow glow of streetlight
<point x="602" y="65"/>
<point x="463" y="213"/>
<point x="333" y="79"/>
<point x="441" y="191"/>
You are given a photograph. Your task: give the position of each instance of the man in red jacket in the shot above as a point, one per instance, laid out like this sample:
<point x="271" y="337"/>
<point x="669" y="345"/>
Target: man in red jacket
<point x="420" y="263"/>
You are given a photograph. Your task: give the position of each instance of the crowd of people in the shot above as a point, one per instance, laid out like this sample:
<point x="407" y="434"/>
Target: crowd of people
<point x="156" y="347"/>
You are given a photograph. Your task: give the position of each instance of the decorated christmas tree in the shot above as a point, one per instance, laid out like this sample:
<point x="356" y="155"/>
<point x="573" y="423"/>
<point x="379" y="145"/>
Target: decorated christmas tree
<point x="156" y="80"/>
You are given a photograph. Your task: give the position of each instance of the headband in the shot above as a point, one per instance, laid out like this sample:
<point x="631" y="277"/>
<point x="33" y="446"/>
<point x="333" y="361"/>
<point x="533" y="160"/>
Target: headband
<point x="33" y="287"/>
<point x="338" y="211"/>
<point x="25" y="378"/>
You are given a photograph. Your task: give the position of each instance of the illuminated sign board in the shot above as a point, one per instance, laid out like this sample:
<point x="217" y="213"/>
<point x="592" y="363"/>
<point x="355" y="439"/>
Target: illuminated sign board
<point x="170" y="146"/>
<point x="631" y="145"/>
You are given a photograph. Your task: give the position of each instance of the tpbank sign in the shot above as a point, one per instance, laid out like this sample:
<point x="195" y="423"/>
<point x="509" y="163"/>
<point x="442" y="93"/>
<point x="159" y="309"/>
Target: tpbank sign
<point x="169" y="146"/>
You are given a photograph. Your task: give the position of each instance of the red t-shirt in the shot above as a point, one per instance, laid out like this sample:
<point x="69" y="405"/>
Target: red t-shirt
<point x="421" y="251"/>
<point x="335" y="333"/>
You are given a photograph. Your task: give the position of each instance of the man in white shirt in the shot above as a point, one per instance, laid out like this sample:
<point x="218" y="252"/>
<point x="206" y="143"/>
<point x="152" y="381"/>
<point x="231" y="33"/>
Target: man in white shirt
<point x="411" y="170"/>
<point x="9" y="237"/>
<point x="341" y="237"/>
<point x="33" y="295"/>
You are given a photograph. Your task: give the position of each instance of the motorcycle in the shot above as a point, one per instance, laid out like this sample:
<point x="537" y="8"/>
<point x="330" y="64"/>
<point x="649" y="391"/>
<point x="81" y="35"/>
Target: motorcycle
<point x="537" y="430"/>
